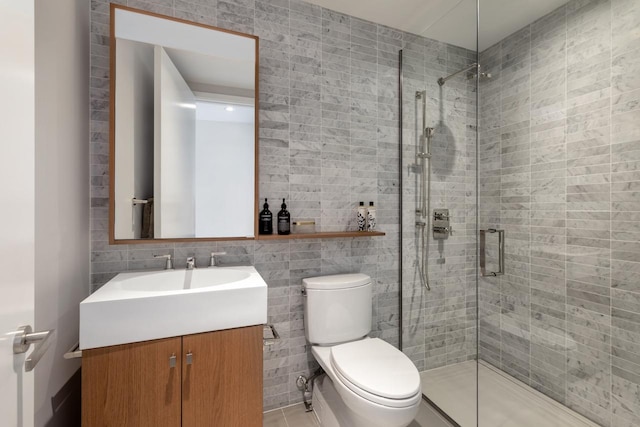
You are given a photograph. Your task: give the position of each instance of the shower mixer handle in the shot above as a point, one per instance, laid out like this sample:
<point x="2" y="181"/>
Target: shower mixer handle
<point x="441" y="233"/>
<point x="440" y="216"/>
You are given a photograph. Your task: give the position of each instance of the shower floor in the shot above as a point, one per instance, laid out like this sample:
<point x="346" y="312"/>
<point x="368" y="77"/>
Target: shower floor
<point x="504" y="401"/>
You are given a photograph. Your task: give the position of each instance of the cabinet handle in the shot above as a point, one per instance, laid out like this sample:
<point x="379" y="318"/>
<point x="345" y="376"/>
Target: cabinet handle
<point x="189" y="358"/>
<point x="172" y="360"/>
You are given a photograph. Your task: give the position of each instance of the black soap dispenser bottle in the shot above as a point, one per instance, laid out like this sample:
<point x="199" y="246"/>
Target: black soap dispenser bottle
<point x="266" y="220"/>
<point x="284" y="220"/>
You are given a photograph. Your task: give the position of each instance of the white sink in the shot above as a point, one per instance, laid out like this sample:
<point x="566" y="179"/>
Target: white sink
<point x="178" y="281"/>
<point x="149" y="305"/>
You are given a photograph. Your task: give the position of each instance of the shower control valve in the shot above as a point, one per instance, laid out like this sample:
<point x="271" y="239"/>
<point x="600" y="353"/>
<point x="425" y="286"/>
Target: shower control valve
<point x="441" y="225"/>
<point x="442" y="232"/>
<point x="440" y="216"/>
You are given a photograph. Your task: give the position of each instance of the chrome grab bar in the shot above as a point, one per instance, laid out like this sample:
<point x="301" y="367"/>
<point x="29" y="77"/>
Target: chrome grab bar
<point x="25" y="337"/>
<point x="483" y="269"/>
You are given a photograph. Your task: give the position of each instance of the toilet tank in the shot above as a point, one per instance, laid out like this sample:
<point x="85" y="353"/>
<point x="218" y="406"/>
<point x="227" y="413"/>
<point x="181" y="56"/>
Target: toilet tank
<point x="337" y="308"/>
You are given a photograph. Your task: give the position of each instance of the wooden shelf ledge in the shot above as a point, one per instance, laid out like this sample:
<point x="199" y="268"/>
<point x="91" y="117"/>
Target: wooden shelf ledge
<point x="321" y="235"/>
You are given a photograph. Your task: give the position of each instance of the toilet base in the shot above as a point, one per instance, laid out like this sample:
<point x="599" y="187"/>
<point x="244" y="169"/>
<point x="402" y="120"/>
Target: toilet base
<point x="331" y="411"/>
<point x="327" y="405"/>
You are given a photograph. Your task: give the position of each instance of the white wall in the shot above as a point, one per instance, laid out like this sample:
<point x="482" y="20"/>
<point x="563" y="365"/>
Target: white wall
<point x="224" y="174"/>
<point x="62" y="193"/>
<point x="134" y="134"/>
<point x="17" y="234"/>
<point x="174" y="151"/>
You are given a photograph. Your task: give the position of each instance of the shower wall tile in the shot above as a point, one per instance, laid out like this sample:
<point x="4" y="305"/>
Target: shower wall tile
<point x="588" y="208"/>
<point x="559" y="151"/>
<point x="489" y="171"/>
<point x="625" y="214"/>
<point x="439" y="324"/>
<point x="548" y="201"/>
<point x="515" y="201"/>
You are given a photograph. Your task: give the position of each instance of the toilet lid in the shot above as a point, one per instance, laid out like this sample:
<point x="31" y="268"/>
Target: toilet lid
<point x="377" y="367"/>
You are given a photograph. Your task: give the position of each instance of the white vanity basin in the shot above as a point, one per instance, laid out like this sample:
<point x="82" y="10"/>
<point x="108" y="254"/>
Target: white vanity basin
<point x="149" y="305"/>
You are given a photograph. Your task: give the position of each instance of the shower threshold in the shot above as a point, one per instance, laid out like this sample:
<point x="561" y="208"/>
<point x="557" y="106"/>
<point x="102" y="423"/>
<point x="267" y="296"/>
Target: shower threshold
<point x="504" y="400"/>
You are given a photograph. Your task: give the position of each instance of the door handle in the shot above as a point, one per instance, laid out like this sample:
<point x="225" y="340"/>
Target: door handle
<point x="483" y="269"/>
<point x="25" y="337"/>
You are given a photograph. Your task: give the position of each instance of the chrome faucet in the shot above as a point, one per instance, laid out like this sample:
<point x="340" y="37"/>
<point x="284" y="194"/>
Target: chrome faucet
<point x="191" y="263"/>
<point x="168" y="264"/>
<point x="213" y="261"/>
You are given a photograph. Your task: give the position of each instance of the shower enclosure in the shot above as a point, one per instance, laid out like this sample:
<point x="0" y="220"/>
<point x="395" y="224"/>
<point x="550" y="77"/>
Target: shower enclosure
<point x="520" y="215"/>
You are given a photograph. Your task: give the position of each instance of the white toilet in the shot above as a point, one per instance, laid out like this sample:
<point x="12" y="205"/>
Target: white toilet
<point x="369" y="383"/>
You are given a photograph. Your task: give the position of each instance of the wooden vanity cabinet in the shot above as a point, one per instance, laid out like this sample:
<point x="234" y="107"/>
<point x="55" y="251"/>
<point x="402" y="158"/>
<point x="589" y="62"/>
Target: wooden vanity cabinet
<point x="202" y="380"/>
<point x="132" y="385"/>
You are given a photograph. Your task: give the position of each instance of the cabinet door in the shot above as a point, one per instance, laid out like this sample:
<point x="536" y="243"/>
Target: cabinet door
<point x="222" y="386"/>
<point x="132" y="385"/>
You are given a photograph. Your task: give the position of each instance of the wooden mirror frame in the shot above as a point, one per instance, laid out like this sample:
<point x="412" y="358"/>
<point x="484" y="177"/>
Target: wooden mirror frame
<point x="112" y="133"/>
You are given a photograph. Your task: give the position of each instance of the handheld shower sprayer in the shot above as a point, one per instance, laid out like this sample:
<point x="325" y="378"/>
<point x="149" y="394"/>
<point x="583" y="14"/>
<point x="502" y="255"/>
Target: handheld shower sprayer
<point x="423" y="217"/>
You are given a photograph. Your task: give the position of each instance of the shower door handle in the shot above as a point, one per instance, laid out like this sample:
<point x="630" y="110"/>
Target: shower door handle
<point x="483" y="269"/>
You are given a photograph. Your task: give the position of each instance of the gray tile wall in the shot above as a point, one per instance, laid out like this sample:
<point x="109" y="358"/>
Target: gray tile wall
<point x="560" y="172"/>
<point x="328" y="139"/>
<point x="439" y="325"/>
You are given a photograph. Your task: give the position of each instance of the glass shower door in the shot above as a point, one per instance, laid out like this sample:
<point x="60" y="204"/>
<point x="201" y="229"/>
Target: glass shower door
<point x="438" y="224"/>
<point x="524" y="311"/>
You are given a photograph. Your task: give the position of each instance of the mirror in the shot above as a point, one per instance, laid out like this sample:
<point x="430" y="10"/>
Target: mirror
<point x="183" y="130"/>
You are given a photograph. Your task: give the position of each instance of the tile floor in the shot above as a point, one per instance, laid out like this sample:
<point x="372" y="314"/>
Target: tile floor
<point x="504" y="401"/>
<point x="295" y="416"/>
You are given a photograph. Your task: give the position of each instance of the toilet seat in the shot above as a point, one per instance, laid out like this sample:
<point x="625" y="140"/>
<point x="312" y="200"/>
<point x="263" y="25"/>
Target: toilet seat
<point x="374" y="370"/>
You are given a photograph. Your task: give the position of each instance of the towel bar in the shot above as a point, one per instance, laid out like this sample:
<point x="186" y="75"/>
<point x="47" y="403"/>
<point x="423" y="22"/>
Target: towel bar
<point x="73" y="352"/>
<point x="269" y="341"/>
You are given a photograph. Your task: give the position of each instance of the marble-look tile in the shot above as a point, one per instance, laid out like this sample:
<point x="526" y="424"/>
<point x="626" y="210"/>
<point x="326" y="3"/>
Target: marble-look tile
<point x="328" y="138"/>
<point x="561" y="175"/>
<point x="297" y="416"/>
<point x="274" y="418"/>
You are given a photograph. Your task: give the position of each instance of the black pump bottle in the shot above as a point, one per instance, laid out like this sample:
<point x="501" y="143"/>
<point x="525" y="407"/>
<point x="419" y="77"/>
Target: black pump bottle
<point x="284" y="220"/>
<point x="266" y="220"/>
